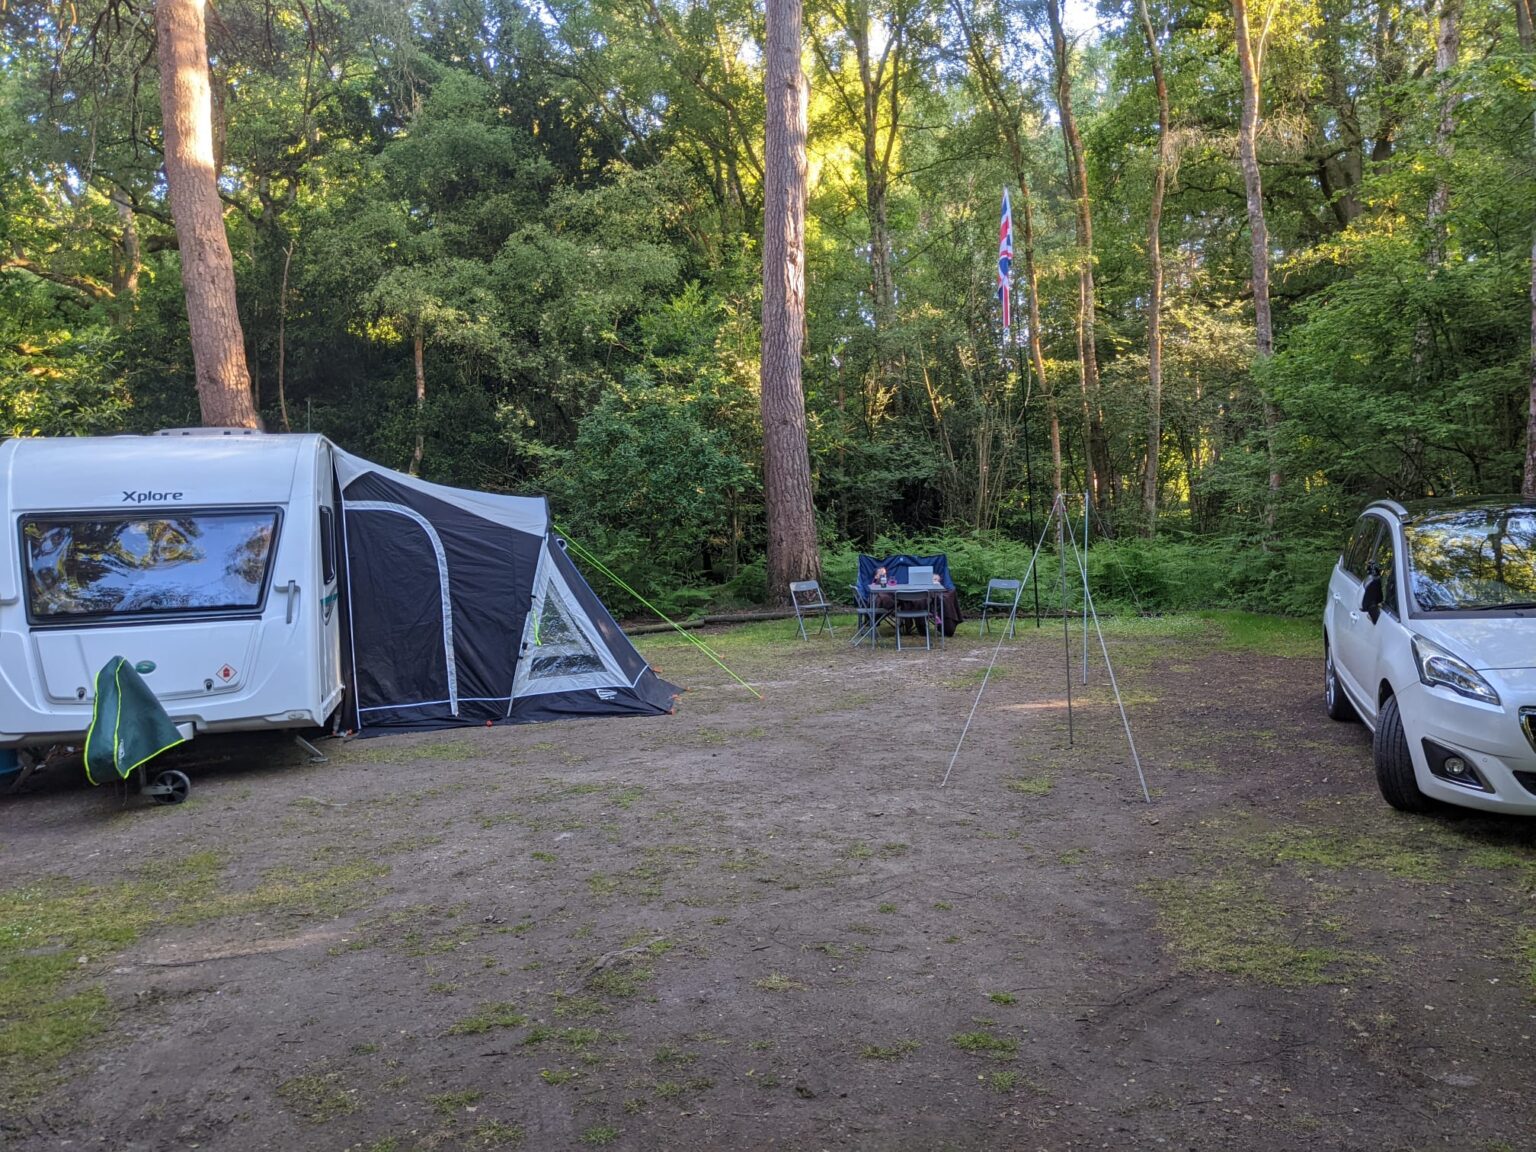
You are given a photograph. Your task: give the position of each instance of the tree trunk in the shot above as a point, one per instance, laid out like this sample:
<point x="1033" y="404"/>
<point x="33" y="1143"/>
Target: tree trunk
<point x="1155" y="267"/>
<point x="1096" y="464"/>
<point x="418" y="350"/>
<point x="125" y="271"/>
<point x="877" y="194"/>
<point x="1036" y="353"/>
<point x="786" y="453"/>
<point x="982" y="67"/>
<point x="1527" y="22"/>
<point x="1447" y="50"/>
<point x="282" y="339"/>
<point x="1247" y="150"/>
<point x="207" y="271"/>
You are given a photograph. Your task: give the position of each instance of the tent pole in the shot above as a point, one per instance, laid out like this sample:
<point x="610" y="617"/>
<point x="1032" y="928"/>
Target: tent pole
<point x="1085" y="586"/>
<point x="1060" y="509"/>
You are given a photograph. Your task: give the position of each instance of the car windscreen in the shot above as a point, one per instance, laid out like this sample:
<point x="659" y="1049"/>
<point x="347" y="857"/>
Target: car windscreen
<point x="82" y="567"/>
<point x="1474" y="559"/>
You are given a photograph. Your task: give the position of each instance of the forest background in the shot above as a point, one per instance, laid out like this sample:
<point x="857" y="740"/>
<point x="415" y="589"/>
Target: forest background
<point x="517" y="247"/>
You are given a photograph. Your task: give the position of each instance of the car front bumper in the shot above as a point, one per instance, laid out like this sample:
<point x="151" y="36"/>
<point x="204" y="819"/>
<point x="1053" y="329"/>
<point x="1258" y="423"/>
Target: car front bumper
<point x="1490" y="738"/>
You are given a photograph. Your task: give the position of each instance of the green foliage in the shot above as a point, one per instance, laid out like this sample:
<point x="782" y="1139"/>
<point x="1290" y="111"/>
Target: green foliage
<point x="563" y="218"/>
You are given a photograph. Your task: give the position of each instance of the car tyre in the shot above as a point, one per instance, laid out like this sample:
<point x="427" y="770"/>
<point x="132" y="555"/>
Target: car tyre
<point x="1334" y="699"/>
<point x="1394" y="763"/>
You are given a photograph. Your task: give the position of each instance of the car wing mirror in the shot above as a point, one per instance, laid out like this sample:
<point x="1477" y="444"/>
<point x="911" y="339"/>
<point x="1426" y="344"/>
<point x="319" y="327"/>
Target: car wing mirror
<point x="1370" y="599"/>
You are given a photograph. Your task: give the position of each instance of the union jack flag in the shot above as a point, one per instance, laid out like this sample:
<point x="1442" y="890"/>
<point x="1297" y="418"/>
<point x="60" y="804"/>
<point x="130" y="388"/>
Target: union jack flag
<point x="1005" y="265"/>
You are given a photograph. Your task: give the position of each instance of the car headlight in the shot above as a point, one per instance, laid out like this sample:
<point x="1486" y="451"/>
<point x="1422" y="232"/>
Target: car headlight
<point x="1437" y="667"/>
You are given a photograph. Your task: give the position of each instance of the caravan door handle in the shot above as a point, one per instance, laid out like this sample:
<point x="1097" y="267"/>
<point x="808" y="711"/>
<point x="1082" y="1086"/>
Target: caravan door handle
<point x="292" y="588"/>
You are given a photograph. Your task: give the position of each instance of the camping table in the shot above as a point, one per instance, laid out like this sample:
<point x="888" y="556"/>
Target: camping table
<point x="940" y="599"/>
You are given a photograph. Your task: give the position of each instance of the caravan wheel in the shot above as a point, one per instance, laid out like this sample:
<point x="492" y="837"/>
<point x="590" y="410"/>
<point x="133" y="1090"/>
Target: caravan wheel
<point x="170" y="788"/>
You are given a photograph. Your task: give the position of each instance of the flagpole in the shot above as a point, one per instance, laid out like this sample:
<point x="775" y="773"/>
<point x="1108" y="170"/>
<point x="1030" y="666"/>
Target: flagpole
<point x="1005" y="298"/>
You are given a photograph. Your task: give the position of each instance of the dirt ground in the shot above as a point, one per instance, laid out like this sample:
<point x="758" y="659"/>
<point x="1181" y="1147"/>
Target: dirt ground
<point x="763" y="924"/>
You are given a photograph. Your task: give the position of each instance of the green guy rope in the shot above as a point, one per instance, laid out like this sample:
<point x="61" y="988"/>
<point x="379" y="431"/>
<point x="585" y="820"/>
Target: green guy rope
<point x="584" y="554"/>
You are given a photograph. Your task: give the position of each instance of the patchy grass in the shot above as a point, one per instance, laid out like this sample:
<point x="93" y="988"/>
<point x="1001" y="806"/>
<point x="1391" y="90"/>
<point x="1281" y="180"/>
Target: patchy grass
<point x="451" y="1103"/>
<point x="1268" y="635"/>
<point x="1004" y="1082"/>
<point x="1040" y="785"/>
<point x="1336" y="850"/>
<point x="1230" y="925"/>
<point x="320" y="1096"/>
<point x="778" y="982"/>
<point x="1003" y="998"/>
<point x="984" y="1043"/>
<point x="1525" y="943"/>
<point x="600" y="1134"/>
<point x="495" y="1134"/>
<point x="488" y="1018"/>
<point x="893" y="1052"/>
<point x="55" y="936"/>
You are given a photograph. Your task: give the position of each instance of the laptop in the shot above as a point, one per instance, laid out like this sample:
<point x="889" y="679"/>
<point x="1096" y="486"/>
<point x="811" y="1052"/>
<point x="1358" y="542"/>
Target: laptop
<point x="920" y="576"/>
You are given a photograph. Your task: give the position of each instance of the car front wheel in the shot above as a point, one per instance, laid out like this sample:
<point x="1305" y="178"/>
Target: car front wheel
<point x="1338" y="705"/>
<point x="1394" y="764"/>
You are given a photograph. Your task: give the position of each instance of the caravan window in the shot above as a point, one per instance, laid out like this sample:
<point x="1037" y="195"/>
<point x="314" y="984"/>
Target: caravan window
<point x="97" y="567"/>
<point x="327" y="547"/>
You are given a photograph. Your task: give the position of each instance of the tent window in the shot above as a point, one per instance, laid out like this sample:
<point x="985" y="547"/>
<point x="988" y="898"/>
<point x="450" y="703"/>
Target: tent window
<point x="327" y="546"/>
<point x="560" y="648"/>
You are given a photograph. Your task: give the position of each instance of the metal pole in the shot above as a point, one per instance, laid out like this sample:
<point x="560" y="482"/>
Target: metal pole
<point x="1085" y="587"/>
<point x="1029" y="493"/>
<point x="1060" y="509"/>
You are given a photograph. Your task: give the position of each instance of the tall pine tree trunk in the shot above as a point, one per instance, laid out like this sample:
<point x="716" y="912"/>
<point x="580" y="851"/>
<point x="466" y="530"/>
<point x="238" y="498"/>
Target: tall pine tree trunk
<point x="1096" y="445"/>
<point x="1036" y="351"/>
<point x="877" y="195"/>
<point x="984" y="68"/>
<point x="1247" y="151"/>
<point x="1155" y="267"/>
<point x="418" y="358"/>
<point x="1447" y="50"/>
<point x="1525" y="12"/>
<point x="786" y="451"/>
<point x="207" y="271"/>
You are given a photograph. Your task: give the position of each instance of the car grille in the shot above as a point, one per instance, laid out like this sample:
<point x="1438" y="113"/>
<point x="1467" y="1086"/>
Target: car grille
<point x="1528" y="722"/>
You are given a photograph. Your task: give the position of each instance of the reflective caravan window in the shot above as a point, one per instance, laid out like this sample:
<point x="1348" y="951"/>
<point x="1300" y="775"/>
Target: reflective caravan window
<point x="101" y="567"/>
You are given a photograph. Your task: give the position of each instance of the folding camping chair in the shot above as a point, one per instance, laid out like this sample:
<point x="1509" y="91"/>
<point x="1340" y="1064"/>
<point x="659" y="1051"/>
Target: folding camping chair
<point x="868" y="616"/>
<point x="803" y="588"/>
<point x="1002" y="588"/>
<point x="913" y="604"/>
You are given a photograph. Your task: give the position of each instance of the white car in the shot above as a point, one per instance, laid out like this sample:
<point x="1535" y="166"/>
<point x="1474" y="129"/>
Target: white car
<point x="1430" y="639"/>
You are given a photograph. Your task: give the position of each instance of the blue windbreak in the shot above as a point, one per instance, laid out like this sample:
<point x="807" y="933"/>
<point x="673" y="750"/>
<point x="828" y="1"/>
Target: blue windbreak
<point x="896" y="568"/>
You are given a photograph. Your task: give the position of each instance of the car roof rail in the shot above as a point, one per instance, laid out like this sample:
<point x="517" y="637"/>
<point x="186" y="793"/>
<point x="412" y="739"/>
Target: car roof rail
<point x="1390" y="505"/>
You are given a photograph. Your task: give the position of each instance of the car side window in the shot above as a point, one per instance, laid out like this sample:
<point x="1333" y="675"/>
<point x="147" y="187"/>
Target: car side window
<point x="1357" y="553"/>
<point x="1383" y="558"/>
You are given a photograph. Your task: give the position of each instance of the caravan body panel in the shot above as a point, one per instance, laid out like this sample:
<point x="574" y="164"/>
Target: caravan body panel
<point x="202" y="559"/>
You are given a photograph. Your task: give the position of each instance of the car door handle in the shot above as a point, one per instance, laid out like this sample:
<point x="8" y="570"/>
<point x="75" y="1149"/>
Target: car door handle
<point x="292" y="589"/>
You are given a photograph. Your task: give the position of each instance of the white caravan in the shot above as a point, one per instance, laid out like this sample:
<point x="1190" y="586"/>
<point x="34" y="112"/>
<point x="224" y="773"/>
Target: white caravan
<point x="206" y="558"/>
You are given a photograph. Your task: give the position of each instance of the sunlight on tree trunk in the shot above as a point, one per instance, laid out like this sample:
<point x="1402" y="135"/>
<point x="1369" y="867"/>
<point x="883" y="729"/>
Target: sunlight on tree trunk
<point x="1155" y="267"/>
<point x="1247" y="149"/>
<point x="786" y="453"/>
<point x="207" y="272"/>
